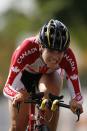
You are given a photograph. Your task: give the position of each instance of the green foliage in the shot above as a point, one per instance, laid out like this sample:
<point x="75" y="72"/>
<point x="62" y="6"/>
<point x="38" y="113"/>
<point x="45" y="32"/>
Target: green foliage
<point x="49" y="8"/>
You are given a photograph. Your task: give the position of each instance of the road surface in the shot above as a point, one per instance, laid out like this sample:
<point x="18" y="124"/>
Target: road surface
<point x="66" y="121"/>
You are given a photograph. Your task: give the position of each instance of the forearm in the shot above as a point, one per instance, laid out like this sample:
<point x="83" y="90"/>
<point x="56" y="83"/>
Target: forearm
<point x="10" y="93"/>
<point x="75" y="93"/>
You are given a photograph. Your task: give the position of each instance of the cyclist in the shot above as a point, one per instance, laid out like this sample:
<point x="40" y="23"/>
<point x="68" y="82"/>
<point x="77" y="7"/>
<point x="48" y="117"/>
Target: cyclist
<point x="41" y="60"/>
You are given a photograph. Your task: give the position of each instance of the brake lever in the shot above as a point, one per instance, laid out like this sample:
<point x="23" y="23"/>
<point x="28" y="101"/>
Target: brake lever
<point x="78" y="114"/>
<point x="18" y="106"/>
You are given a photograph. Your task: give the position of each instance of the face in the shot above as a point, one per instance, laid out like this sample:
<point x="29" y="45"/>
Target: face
<point x="52" y="58"/>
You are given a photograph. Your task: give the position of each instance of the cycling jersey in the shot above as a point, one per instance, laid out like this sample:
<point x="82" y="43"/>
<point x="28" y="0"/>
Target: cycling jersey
<point x="28" y="57"/>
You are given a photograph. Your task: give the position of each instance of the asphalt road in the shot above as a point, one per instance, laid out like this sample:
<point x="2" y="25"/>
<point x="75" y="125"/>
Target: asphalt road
<point x="67" y="120"/>
<point x="4" y="114"/>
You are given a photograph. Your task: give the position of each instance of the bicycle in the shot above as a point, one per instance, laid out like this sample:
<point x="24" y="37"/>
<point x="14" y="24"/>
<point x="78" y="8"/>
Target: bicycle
<point x="37" y="121"/>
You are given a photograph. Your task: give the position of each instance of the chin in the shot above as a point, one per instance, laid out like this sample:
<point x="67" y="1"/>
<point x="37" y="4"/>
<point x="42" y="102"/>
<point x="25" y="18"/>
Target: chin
<point x="52" y="67"/>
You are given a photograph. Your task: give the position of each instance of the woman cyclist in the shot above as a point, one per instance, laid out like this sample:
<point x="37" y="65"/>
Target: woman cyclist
<point x="41" y="60"/>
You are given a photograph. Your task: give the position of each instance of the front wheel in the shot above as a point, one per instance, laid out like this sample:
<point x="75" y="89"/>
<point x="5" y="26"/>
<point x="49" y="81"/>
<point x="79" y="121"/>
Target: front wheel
<point x="42" y="128"/>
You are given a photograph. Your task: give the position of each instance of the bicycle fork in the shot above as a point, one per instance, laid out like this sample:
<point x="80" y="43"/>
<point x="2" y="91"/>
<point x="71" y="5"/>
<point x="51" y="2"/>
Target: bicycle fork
<point x="31" y="122"/>
<point x="36" y="121"/>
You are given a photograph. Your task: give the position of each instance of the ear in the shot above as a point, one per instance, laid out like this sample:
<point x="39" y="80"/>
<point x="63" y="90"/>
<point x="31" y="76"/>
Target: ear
<point x="40" y="47"/>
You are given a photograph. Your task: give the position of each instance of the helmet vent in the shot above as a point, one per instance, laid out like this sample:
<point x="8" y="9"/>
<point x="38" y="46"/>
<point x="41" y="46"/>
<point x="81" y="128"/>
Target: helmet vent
<point x="52" y="30"/>
<point x="51" y="21"/>
<point x="45" y="29"/>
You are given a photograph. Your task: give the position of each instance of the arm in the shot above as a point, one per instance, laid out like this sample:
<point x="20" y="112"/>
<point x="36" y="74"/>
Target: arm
<point x="70" y="65"/>
<point x="75" y="92"/>
<point x="73" y="80"/>
<point x="21" y="57"/>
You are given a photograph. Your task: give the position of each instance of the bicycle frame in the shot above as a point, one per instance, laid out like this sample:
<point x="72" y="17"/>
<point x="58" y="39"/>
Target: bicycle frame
<point x="31" y="120"/>
<point x="36" y="122"/>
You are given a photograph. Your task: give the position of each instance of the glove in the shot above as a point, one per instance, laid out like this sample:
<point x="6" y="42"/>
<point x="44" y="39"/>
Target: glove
<point x="74" y="105"/>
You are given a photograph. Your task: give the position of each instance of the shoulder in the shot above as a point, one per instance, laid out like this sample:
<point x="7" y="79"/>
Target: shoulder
<point x="69" y="54"/>
<point x="28" y="46"/>
<point x="28" y="43"/>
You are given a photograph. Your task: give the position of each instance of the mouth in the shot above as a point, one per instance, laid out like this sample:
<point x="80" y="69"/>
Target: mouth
<point x="52" y="65"/>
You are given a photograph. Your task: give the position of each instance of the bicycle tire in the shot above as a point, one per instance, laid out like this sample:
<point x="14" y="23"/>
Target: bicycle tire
<point x="42" y="128"/>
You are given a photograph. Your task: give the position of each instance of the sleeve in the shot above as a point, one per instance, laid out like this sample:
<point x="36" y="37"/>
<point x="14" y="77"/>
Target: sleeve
<point x="73" y="81"/>
<point x="23" y="55"/>
<point x="14" y="70"/>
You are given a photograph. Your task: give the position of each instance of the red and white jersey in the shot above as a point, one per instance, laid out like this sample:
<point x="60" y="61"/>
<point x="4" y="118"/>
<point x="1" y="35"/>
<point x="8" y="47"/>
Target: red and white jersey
<point x="27" y="57"/>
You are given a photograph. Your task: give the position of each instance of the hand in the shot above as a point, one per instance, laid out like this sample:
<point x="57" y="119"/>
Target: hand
<point x="20" y="97"/>
<point x="74" y="105"/>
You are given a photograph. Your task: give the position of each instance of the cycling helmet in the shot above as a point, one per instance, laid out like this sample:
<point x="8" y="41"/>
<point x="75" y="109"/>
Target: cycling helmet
<point x="54" y="35"/>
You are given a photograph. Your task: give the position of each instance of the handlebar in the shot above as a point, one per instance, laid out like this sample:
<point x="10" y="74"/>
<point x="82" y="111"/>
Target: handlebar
<point x="37" y="98"/>
<point x="61" y="104"/>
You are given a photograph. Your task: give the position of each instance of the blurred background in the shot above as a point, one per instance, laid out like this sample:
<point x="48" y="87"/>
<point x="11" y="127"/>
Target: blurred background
<point x="22" y="18"/>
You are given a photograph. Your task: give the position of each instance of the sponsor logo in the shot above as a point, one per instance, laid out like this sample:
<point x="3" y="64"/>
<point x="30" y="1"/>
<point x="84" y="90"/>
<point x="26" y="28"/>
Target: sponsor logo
<point x="72" y="63"/>
<point x="8" y="91"/>
<point x="15" y="69"/>
<point x="26" y="53"/>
